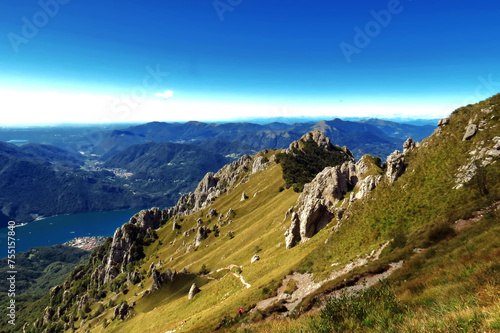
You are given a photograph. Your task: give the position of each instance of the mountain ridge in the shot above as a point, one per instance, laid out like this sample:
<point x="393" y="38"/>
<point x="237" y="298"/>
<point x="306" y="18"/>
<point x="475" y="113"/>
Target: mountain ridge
<point x="235" y="234"/>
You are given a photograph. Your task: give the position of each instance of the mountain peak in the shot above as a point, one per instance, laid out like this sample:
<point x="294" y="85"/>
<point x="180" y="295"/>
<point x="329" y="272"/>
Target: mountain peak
<point x="317" y="136"/>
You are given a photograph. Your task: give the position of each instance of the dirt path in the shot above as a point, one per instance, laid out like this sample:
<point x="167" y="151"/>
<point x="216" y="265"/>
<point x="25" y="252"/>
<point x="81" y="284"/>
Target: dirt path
<point x="476" y="216"/>
<point x="306" y="285"/>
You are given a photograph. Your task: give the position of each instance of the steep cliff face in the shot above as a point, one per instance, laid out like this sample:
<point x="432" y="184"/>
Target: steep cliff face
<point x="211" y="187"/>
<point x="126" y="242"/>
<point x="317" y="203"/>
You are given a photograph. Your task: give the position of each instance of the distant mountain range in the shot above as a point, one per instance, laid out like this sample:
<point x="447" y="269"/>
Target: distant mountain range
<point x="375" y="137"/>
<point x="70" y="169"/>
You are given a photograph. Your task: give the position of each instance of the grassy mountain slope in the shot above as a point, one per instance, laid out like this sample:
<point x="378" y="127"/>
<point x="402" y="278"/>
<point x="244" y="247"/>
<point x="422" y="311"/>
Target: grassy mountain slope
<point x="444" y="237"/>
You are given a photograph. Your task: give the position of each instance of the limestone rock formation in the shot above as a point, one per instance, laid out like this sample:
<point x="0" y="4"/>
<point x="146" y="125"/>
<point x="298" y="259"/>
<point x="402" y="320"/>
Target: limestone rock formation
<point x="443" y="122"/>
<point x="243" y="196"/>
<point x="120" y="252"/>
<point x="259" y="164"/>
<point x="317" y="201"/>
<point x="83" y="301"/>
<point x="409" y="145"/>
<point x="49" y="313"/>
<point x="254" y="258"/>
<point x="211" y="187"/>
<point x="318" y="137"/>
<point x="211" y="213"/>
<point x="367" y="185"/>
<point x="193" y="291"/>
<point x="395" y="166"/>
<point x="470" y="131"/>
<point x="133" y="277"/>
<point x="201" y="234"/>
<point x="160" y="278"/>
<point x="292" y="234"/>
<point x="121" y="311"/>
<point x="175" y="226"/>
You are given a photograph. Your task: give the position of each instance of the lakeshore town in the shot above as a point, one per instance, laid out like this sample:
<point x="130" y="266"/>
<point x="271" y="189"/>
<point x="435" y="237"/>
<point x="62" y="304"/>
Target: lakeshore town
<point x="86" y="243"/>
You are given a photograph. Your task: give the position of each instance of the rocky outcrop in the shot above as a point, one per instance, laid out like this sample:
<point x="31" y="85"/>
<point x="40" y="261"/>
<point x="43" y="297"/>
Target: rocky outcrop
<point x="443" y="122"/>
<point x="367" y="185"/>
<point x="254" y="258"/>
<point x="395" y="166"/>
<point x="83" y="301"/>
<point x="316" y="136"/>
<point x="409" y="145"/>
<point x="259" y="163"/>
<point x="160" y="278"/>
<point x="470" y="131"/>
<point x="201" y="234"/>
<point x="49" y="314"/>
<point x="481" y="155"/>
<point x="292" y="234"/>
<point x="243" y="196"/>
<point x="211" y="213"/>
<point x="317" y="201"/>
<point x="211" y="187"/>
<point x="121" y="311"/>
<point x="120" y="252"/>
<point x="133" y="277"/>
<point x="193" y="291"/>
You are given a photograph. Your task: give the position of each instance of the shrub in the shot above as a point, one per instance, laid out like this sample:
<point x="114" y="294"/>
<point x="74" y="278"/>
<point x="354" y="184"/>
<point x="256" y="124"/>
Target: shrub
<point x="438" y="233"/>
<point x="371" y="308"/>
<point x="204" y="270"/>
<point x="302" y="165"/>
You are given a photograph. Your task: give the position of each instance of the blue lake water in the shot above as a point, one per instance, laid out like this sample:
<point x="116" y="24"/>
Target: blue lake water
<point x="62" y="228"/>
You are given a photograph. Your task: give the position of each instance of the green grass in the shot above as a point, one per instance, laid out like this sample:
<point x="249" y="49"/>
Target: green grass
<point x="452" y="286"/>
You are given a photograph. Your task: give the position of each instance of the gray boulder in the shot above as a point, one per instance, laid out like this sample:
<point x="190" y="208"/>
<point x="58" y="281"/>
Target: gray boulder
<point x="367" y="185"/>
<point x="443" y="122"/>
<point x="470" y="131"/>
<point x="259" y="164"/>
<point x="409" y="145"/>
<point x="395" y="166"/>
<point x="201" y="234"/>
<point x="121" y="311"/>
<point x="193" y="291"/>
<point x="212" y="212"/>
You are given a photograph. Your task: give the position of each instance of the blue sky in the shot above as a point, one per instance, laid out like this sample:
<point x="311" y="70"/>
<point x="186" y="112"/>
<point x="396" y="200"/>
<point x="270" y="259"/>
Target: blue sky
<point x="130" y="60"/>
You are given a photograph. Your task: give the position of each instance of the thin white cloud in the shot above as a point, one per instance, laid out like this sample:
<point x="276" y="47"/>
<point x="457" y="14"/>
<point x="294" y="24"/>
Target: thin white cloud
<point x="167" y="94"/>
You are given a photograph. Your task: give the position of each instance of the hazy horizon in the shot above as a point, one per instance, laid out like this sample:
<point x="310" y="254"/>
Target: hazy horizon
<point x="125" y="61"/>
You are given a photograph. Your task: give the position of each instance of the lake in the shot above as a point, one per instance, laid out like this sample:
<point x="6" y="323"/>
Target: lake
<point x="62" y="228"/>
